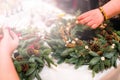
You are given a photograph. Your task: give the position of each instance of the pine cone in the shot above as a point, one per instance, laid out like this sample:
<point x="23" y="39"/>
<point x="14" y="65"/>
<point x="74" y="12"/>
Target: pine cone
<point x="79" y="42"/>
<point x="94" y="47"/>
<point x="25" y="67"/>
<point x="30" y="51"/>
<point x="109" y="37"/>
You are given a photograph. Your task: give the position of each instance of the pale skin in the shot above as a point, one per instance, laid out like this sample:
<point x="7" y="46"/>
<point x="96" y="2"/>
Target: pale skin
<point x="94" y="18"/>
<point x="114" y="74"/>
<point x="8" y="43"/>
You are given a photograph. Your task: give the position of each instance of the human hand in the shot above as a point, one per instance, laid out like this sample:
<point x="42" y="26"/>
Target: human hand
<point x="9" y="41"/>
<point x="92" y="18"/>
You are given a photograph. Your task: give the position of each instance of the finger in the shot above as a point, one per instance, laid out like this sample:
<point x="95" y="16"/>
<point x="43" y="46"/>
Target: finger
<point x="94" y="26"/>
<point x="85" y="20"/>
<point x="82" y="16"/>
<point x="5" y="32"/>
<point x="14" y="35"/>
<point x="90" y="23"/>
<point x="14" y="38"/>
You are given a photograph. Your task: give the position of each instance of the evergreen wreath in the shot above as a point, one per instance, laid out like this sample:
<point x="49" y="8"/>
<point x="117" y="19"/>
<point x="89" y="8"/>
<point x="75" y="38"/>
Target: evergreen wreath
<point x="79" y="45"/>
<point x="32" y="54"/>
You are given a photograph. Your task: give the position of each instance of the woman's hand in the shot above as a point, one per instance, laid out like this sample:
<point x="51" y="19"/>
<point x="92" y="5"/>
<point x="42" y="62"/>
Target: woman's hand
<point x="8" y="42"/>
<point x="92" y="18"/>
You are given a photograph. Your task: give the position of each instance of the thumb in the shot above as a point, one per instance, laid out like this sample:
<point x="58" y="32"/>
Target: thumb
<point x="14" y="35"/>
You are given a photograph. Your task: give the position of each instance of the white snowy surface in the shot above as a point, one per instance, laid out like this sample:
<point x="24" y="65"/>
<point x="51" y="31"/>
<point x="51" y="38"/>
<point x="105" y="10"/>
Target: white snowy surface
<point x="20" y="17"/>
<point x="68" y="72"/>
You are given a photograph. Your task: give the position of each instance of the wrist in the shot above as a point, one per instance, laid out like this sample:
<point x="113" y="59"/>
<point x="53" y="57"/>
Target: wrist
<point x="4" y="53"/>
<point x="103" y="13"/>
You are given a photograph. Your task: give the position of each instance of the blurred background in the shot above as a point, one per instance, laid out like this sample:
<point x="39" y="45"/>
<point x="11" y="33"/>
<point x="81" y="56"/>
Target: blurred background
<point x="14" y="7"/>
<point x="69" y="6"/>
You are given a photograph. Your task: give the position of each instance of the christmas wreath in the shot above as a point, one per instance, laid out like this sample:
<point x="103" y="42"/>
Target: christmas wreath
<point x="79" y="45"/>
<point x="32" y="55"/>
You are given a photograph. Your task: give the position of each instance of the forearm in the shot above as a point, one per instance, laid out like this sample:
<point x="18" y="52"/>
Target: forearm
<point x="112" y="8"/>
<point x="7" y="69"/>
<point x="114" y="74"/>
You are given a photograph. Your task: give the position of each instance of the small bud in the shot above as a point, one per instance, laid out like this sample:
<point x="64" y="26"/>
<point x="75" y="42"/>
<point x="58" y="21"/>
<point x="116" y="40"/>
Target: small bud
<point x="102" y="58"/>
<point x="113" y="46"/>
<point x="73" y="42"/>
<point x="76" y="39"/>
<point x="86" y="47"/>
